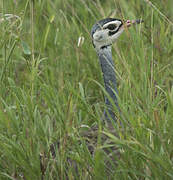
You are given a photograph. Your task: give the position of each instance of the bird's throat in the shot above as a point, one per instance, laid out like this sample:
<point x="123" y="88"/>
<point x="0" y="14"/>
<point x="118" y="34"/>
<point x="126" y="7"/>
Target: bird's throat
<point x="109" y="76"/>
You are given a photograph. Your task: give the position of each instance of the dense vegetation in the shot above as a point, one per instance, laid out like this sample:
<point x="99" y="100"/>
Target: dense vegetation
<point x="51" y="88"/>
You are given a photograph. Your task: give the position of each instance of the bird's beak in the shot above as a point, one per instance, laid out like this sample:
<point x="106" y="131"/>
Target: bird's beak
<point x="128" y="23"/>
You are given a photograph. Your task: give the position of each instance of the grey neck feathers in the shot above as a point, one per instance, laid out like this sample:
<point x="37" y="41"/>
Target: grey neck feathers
<point x="108" y="70"/>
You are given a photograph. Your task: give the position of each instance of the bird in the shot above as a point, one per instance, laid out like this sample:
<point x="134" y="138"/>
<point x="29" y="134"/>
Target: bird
<point x="104" y="33"/>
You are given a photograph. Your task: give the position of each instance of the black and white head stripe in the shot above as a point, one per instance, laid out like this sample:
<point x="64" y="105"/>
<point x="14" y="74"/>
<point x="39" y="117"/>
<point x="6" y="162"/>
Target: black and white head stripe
<point x="105" y="32"/>
<point x="111" y="24"/>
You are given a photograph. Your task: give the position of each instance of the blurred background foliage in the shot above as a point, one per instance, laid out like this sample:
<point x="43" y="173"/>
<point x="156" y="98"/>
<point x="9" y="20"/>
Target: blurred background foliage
<point x="48" y="69"/>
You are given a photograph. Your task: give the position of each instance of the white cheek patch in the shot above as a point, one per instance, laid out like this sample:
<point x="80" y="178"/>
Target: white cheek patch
<point x="100" y="35"/>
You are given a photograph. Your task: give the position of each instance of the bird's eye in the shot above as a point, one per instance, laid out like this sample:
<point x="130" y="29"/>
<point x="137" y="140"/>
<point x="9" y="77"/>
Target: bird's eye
<point x="111" y="26"/>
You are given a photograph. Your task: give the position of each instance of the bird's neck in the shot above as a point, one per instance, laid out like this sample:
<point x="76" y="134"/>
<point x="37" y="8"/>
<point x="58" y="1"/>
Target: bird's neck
<point x="108" y="70"/>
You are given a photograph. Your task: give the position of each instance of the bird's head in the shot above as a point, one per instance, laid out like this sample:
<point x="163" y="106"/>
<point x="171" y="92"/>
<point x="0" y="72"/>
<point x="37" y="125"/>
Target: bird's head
<point x="106" y="31"/>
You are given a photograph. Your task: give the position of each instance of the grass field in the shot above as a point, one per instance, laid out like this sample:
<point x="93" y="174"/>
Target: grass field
<point x="51" y="88"/>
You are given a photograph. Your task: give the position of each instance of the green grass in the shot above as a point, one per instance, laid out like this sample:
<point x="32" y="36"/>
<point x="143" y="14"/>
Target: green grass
<point x="51" y="89"/>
